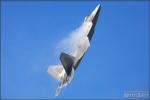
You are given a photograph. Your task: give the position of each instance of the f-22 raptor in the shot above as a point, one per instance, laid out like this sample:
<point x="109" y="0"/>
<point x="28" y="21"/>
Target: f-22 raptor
<point x="64" y="72"/>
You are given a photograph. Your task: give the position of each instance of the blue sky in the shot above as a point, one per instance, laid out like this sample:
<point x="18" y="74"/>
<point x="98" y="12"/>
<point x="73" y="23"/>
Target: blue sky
<point x="117" y="60"/>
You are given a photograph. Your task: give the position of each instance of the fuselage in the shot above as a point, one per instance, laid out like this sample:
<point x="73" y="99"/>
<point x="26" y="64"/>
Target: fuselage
<point x="90" y="22"/>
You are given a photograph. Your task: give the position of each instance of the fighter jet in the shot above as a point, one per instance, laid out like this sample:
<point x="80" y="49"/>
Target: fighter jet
<point x="64" y="72"/>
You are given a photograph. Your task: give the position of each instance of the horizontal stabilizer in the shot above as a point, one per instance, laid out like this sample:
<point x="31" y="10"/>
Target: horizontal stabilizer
<point x="55" y="71"/>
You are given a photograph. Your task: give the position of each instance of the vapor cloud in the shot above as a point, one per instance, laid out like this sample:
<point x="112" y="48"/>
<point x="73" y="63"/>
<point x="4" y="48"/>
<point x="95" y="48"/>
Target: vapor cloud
<point x="77" y="37"/>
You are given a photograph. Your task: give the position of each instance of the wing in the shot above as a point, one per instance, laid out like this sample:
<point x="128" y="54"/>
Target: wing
<point x="67" y="62"/>
<point x="55" y="71"/>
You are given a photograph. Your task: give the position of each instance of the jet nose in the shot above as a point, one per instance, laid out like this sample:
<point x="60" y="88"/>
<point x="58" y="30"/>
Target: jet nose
<point x="98" y="6"/>
<point x="95" y="12"/>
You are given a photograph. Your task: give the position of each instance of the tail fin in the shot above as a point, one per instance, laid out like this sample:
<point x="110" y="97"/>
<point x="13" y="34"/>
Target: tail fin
<point x="55" y="71"/>
<point x="67" y="62"/>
